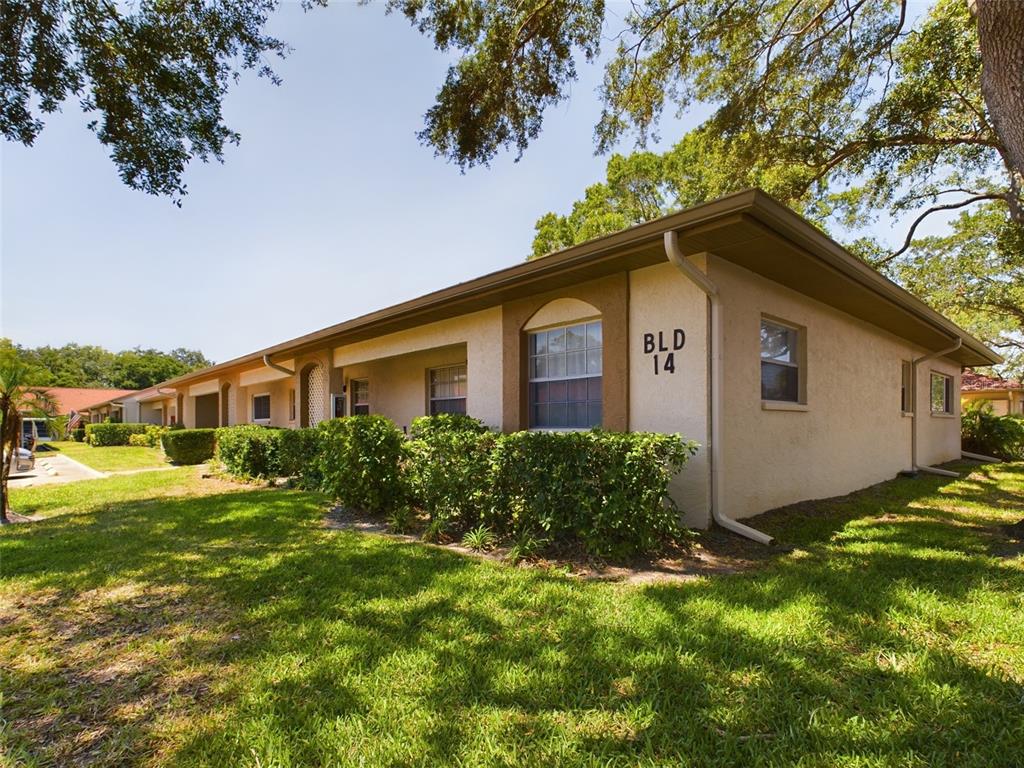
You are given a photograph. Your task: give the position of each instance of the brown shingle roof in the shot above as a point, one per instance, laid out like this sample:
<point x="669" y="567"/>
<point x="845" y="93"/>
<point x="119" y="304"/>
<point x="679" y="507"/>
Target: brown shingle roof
<point x="976" y="382"/>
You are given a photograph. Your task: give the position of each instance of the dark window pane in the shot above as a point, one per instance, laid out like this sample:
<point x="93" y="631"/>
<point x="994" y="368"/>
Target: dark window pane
<point x="539" y="343"/>
<point x="453" y="405"/>
<point x="577" y="389"/>
<point x="557" y="415"/>
<point x="594" y="388"/>
<point x="578" y="416"/>
<point x="539" y="416"/>
<point x="779" y="382"/>
<point x="594" y="415"/>
<point x="539" y="392"/>
<point x="557" y="391"/>
<point x="261" y="407"/>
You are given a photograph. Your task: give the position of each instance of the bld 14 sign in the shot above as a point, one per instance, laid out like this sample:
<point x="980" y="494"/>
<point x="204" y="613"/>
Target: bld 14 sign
<point x="657" y="344"/>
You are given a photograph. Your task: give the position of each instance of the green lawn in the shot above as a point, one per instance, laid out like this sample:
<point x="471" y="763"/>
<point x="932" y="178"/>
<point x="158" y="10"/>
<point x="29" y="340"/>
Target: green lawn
<point x="114" y="458"/>
<point x="161" y="619"/>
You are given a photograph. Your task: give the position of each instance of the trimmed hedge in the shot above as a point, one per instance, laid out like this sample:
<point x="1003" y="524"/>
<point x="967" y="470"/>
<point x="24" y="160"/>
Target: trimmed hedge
<point x="245" y="450"/>
<point x="189" y="446"/>
<point x="360" y="462"/>
<point x="449" y="461"/>
<point x="112" y="433"/>
<point x="250" y="451"/>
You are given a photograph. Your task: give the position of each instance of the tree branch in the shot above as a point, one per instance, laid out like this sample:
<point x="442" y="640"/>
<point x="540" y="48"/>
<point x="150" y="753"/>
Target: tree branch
<point x="929" y="212"/>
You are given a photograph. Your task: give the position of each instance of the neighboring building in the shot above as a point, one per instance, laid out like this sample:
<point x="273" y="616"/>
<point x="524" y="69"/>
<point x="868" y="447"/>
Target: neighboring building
<point x="77" y="399"/>
<point x="801" y="370"/>
<point x="1006" y="396"/>
<point x="155" y="405"/>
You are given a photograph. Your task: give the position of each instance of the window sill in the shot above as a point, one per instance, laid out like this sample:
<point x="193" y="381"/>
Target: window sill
<point x="261" y="422"/>
<point x="783" y="405"/>
<point x="943" y="415"/>
<point x="561" y="429"/>
<point x="907" y="414"/>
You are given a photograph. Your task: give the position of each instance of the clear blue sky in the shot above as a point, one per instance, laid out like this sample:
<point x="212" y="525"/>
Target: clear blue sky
<point x="329" y="208"/>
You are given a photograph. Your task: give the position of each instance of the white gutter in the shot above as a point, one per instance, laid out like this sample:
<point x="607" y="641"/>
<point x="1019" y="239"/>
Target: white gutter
<point x="913" y="432"/>
<point x="275" y="366"/>
<point x="715" y="342"/>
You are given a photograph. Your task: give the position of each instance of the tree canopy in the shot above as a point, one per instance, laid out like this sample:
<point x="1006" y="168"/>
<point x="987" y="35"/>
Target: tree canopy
<point x="75" y="365"/>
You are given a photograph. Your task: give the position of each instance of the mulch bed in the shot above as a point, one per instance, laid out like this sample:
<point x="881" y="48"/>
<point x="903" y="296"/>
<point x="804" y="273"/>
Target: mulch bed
<point x="711" y="553"/>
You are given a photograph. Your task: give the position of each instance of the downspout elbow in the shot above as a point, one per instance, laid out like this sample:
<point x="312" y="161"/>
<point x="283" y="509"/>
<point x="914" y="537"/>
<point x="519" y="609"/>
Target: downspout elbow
<point x="267" y="362"/>
<point x="702" y="281"/>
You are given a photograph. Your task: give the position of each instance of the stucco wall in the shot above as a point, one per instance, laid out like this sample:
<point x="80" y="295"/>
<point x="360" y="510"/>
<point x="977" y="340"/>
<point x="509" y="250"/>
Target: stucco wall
<point x="398" y="385"/>
<point x="661" y="301"/>
<point x="479" y="332"/>
<point x="851" y="433"/>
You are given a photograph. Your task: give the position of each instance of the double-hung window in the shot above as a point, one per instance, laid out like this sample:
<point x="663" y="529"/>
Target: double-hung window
<point x="447" y="391"/>
<point x="360" y="397"/>
<point x="942" y="393"/>
<point x="780" y="362"/>
<point x="260" y="408"/>
<point x="565" y="377"/>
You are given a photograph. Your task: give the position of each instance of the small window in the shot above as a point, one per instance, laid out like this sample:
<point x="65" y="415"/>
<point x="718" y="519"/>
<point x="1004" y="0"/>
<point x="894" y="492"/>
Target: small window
<point x="338" y="407"/>
<point x="942" y="393"/>
<point x="565" y="377"/>
<point x="360" y="397"/>
<point x="448" y="390"/>
<point x="780" y="362"/>
<point x="291" y="404"/>
<point x="906" y="399"/>
<point x="261" y="408"/>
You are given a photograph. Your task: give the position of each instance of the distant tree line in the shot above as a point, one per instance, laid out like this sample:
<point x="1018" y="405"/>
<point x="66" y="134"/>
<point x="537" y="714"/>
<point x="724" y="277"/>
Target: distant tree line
<point x="86" y="365"/>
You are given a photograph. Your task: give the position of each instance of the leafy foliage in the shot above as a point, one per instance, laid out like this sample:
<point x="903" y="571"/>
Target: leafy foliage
<point x="360" y="462"/>
<point x="189" y="446"/>
<point x="112" y="433"/>
<point x="75" y="365"/>
<point x="479" y="539"/>
<point x="449" y="458"/>
<point x="608" y="490"/>
<point x="18" y="399"/>
<point x="990" y="435"/>
<point x="148" y="439"/>
<point x="251" y="451"/>
<point x="153" y="76"/>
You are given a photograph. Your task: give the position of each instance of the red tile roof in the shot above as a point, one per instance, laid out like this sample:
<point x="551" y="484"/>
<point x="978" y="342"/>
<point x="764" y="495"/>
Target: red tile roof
<point x="976" y="382"/>
<point x="75" y="399"/>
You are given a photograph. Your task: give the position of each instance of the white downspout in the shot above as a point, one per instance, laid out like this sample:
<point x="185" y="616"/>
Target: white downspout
<point x="913" y="432"/>
<point x="275" y="366"/>
<point x="711" y="291"/>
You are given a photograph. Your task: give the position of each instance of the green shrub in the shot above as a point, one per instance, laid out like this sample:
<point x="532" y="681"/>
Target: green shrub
<point x="296" y="453"/>
<point x="148" y="439"/>
<point x="78" y="435"/>
<point x="249" y="451"/>
<point x="983" y="432"/>
<point x="360" y="462"/>
<point x="112" y="433"/>
<point x="189" y="446"/>
<point x="448" y="465"/>
<point x="607" y="490"/>
<point x="245" y="450"/>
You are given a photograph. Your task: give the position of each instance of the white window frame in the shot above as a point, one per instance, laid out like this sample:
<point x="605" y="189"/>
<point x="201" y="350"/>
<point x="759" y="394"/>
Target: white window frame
<point x="531" y="380"/>
<point x="352" y="400"/>
<point x="799" y="365"/>
<point x="252" y="408"/>
<point x="947" y="394"/>
<point x="431" y="399"/>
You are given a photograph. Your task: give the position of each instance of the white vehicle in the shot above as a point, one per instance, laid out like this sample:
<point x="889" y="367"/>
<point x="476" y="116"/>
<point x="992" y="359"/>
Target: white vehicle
<point x="35" y="431"/>
<point x="24" y="461"/>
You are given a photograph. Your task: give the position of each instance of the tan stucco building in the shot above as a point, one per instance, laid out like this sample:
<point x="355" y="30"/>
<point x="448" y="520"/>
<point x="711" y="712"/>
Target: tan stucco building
<point x="1006" y="396"/>
<point x="802" y="372"/>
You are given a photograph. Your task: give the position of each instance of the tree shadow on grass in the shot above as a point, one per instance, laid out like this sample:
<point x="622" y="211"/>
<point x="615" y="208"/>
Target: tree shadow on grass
<point x="316" y="647"/>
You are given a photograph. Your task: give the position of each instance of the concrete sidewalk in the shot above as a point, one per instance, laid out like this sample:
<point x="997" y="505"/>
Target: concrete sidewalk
<point x="52" y="468"/>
